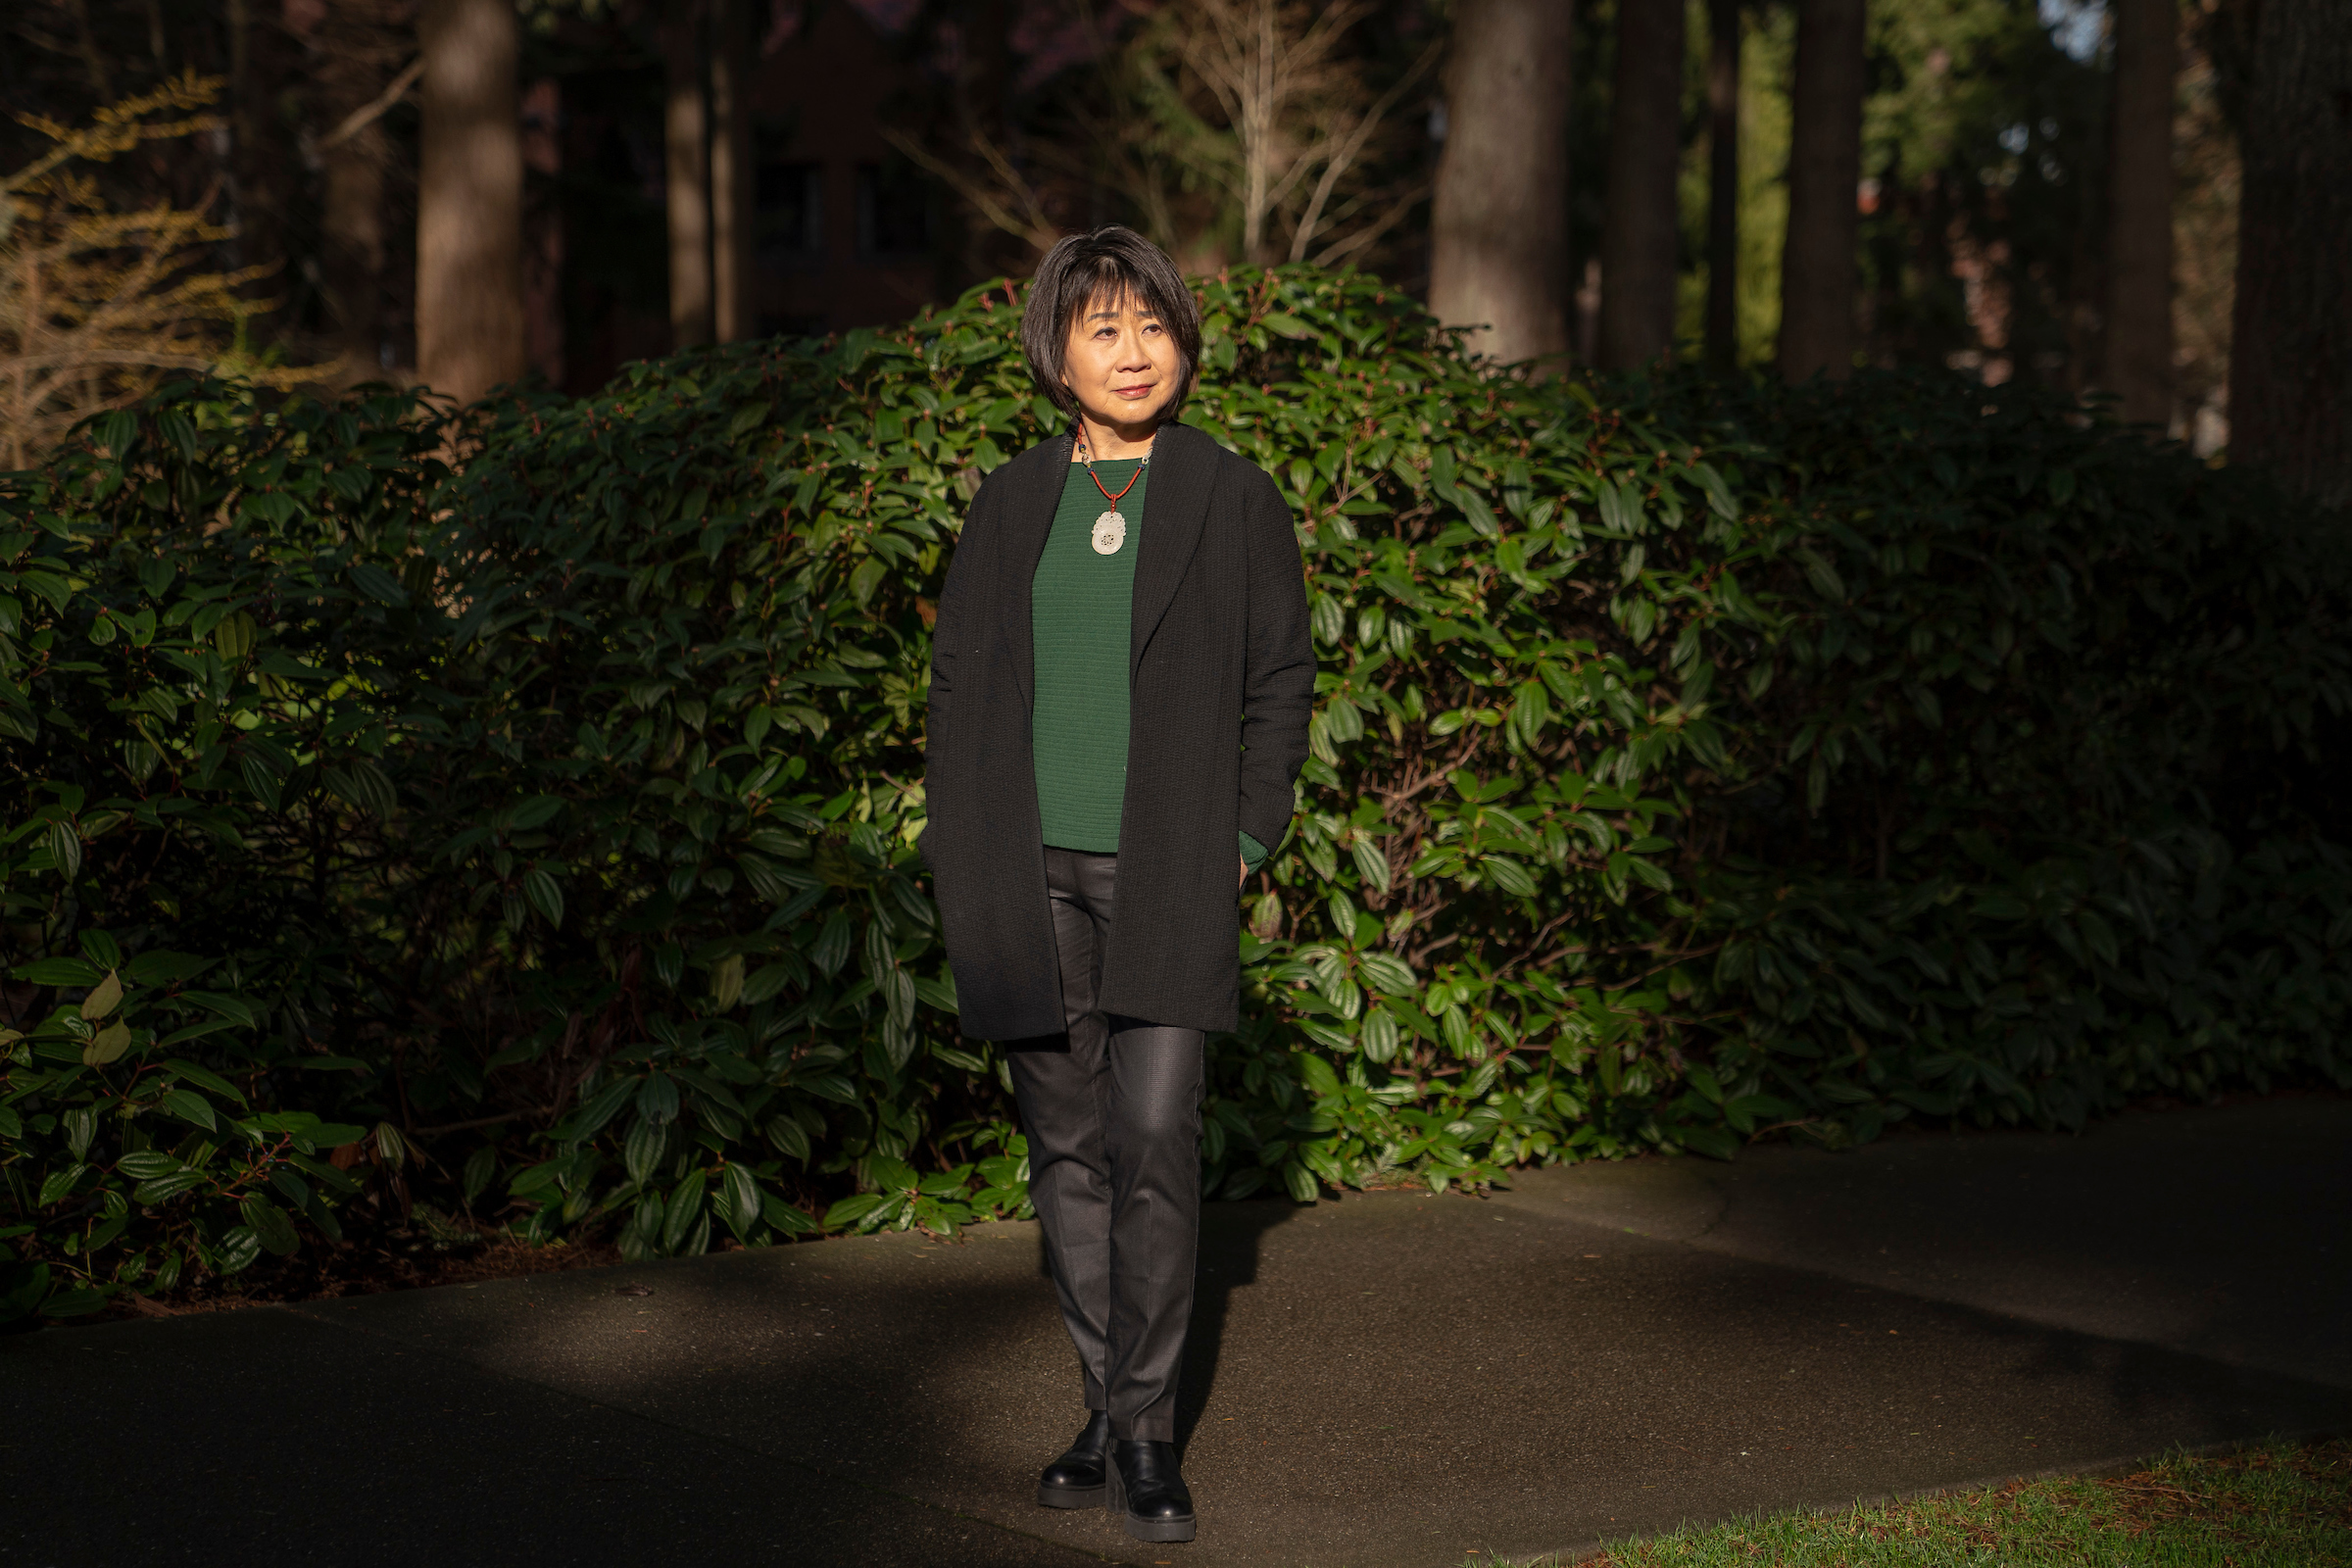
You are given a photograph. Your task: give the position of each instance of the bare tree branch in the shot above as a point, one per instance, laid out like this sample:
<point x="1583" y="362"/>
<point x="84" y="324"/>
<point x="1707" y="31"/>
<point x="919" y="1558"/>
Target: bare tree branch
<point x="370" y="113"/>
<point x="1364" y="236"/>
<point x="998" y="203"/>
<point x="1258" y="60"/>
<point x="1342" y="157"/>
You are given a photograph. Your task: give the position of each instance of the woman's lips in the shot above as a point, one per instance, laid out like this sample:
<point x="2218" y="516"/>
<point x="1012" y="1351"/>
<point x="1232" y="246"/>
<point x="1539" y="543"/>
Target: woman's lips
<point x="1132" y="392"/>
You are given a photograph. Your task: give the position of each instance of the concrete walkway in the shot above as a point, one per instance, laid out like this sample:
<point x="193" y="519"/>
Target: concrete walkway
<point x="1390" y="1379"/>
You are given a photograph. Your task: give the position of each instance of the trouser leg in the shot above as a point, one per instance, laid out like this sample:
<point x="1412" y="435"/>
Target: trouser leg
<point x="1114" y="1122"/>
<point x="1153" y="1138"/>
<point x="1060" y="1090"/>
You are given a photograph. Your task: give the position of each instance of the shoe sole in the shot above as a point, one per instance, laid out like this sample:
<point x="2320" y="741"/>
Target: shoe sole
<point x="1072" y="1497"/>
<point x="1140" y="1529"/>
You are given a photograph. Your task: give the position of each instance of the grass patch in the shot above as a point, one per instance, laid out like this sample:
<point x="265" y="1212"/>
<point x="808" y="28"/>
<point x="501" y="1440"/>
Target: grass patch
<point x="2281" y="1505"/>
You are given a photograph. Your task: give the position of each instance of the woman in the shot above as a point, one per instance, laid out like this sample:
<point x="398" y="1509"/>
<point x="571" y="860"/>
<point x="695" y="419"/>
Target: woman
<point x="1120" y="682"/>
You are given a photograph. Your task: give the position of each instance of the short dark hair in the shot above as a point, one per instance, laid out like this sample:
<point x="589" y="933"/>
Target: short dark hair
<point x="1124" y="264"/>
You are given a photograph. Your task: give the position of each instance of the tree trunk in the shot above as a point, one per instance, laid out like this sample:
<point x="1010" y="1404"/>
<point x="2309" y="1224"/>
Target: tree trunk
<point x="543" y="236"/>
<point x="686" y="140"/>
<point x="469" y="333"/>
<point x="351" y="244"/>
<point x="1723" y="184"/>
<point x="2290" y="360"/>
<point x="1640" y="227"/>
<point x="1499" y="219"/>
<point x="362" y="45"/>
<point x="351" y="209"/>
<point x="1819" y="266"/>
<point x="2139" y="212"/>
<point x="733" y="60"/>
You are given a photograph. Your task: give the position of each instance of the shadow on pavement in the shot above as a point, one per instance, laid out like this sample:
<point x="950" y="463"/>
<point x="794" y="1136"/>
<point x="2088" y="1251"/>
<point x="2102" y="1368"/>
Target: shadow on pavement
<point x="265" y="1436"/>
<point x="1382" y="1382"/>
<point x="1231" y="1234"/>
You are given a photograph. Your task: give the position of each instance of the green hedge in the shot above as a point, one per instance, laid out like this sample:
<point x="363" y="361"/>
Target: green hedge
<point x="2047" y="812"/>
<point x="531" y="832"/>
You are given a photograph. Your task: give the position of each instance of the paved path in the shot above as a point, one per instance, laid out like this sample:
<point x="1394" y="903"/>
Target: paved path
<point x="1385" y="1382"/>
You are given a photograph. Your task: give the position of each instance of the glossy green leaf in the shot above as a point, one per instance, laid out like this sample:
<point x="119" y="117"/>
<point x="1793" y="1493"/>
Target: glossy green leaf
<point x="240" y="1249"/>
<point x="740" y="1201"/>
<point x="270" y="1224"/>
<point x="643" y="1148"/>
<point x="544" y="895"/>
<point x="107" y="1045"/>
<point x="60" y="972"/>
<point x="189" y="1106"/>
<point x="162" y="1189"/>
<point x="783" y="1218"/>
<point x="104" y="998"/>
<point x="682" y="1208"/>
<point x="58" y="1185"/>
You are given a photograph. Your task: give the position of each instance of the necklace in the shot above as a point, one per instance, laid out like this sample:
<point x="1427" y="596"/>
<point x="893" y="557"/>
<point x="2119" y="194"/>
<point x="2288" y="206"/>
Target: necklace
<point x="1110" y="528"/>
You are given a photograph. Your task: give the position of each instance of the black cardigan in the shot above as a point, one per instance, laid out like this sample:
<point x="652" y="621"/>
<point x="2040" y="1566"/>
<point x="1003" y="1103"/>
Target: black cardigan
<point x="1222" y="681"/>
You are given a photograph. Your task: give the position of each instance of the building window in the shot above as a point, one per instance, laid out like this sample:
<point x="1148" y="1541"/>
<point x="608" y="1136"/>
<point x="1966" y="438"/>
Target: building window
<point x="894" y="212"/>
<point x="790" y="232"/>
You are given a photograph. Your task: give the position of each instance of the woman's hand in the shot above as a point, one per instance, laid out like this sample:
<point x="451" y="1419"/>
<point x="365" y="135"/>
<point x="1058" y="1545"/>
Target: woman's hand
<point x="1245" y="880"/>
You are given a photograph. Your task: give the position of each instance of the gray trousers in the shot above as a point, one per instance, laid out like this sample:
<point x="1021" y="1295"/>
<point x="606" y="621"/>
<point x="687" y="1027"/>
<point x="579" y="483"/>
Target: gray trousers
<point x="1113" y="1114"/>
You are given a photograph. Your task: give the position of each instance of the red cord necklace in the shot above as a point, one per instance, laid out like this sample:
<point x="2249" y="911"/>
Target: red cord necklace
<point x="1110" y="528"/>
<point x="1123" y="489"/>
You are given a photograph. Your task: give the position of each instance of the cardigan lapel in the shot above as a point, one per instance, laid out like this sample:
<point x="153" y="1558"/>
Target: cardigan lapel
<point x="1184" y="469"/>
<point x="1028" y="522"/>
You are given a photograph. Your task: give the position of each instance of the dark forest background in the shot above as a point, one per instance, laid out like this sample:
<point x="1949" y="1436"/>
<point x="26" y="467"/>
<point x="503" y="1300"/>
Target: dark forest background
<point x="470" y="192"/>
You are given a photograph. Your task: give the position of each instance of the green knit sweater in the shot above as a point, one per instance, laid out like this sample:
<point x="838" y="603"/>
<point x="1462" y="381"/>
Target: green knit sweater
<point x="1081" y="623"/>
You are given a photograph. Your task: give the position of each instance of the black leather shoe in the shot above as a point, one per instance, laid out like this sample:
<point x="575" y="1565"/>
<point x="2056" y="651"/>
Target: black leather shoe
<point x="1146" y="1488"/>
<point x="1075" y="1479"/>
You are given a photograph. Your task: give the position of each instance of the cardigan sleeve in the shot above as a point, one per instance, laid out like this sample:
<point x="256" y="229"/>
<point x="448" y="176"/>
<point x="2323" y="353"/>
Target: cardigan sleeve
<point x="1278" y="690"/>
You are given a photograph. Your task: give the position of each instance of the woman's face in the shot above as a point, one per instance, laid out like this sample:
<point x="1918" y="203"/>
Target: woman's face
<point x="1120" y="362"/>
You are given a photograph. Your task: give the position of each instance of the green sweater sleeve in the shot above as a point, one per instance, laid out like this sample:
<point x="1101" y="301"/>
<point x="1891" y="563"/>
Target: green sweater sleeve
<point x="1254" y="854"/>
